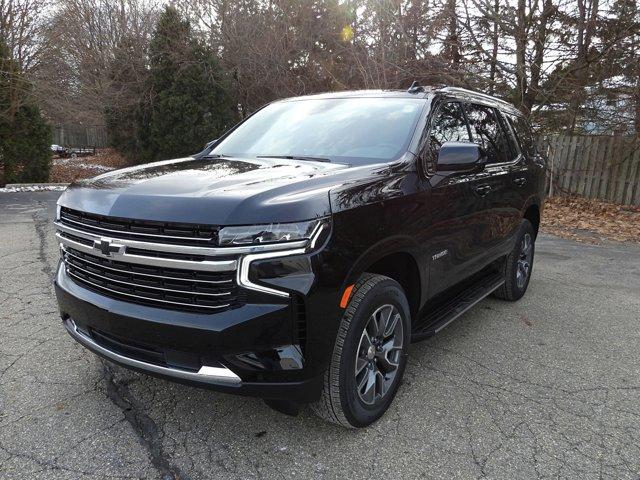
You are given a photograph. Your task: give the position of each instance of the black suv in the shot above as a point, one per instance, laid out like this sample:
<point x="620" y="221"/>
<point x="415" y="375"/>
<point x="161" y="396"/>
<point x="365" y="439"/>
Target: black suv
<point x="298" y="256"/>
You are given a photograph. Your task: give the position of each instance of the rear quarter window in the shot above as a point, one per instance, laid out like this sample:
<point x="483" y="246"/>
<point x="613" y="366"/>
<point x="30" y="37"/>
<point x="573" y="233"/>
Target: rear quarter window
<point x="523" y="133"/>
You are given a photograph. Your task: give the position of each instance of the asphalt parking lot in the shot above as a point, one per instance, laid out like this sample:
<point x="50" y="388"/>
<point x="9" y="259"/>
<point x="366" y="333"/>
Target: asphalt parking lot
<point x="548" y="387"/>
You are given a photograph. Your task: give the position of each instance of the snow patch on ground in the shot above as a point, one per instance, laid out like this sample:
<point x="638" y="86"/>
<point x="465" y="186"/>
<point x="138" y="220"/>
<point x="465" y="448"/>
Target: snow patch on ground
<point x="34" y="188"/>
<point x="89" y="166"/>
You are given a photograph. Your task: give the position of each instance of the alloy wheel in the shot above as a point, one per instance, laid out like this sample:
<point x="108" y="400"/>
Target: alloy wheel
<point x="378" y="355"/>
<point x="524" y="261"/>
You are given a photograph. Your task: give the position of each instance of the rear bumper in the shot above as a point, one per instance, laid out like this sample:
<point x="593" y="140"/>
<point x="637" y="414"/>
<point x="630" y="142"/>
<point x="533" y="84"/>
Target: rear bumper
<point x="246" y="351"/>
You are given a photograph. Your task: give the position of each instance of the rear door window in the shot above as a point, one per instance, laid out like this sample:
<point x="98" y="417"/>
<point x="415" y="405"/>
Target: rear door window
<point x="487" y="132"/>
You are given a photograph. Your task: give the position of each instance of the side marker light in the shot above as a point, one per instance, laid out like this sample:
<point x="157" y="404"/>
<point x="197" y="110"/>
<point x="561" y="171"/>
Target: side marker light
<point x="346" y="296"/>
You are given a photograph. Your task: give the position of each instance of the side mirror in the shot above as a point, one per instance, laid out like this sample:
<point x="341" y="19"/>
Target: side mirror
<point x="460" y="156"/>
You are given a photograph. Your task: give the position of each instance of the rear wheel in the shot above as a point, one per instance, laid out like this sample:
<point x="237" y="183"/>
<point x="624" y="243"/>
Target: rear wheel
<point x="518" y="265"/>
<point x="369" y="354"/>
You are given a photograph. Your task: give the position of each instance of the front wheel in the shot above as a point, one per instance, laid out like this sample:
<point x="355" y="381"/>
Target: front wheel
<point x="518" y="264"/>
<point x="369" y="355"/>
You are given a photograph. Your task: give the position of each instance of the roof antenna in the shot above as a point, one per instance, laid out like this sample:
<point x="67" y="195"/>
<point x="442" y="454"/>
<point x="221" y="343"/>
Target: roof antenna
<point x="415" y="87"/>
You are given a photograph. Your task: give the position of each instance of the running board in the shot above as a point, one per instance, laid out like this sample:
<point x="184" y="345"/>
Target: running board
<point x="453" y="308"/>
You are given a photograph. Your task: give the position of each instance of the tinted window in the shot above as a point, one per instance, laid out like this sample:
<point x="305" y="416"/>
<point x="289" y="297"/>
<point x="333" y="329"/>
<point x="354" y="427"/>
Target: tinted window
<point x="487" y="132"/>
<point x="514" y="149"/>
<point x="448" y="125"/>
<point x="351" y="130"/>
<point x="523" y="134"/>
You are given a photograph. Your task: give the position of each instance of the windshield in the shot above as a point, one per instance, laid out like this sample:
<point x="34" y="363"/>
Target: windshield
<point x="343" y="130"/>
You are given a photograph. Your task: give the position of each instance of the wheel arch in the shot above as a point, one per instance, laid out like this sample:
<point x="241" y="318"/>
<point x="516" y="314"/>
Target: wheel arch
<point x="397" y="261"/>
<point x="532" y="213"/>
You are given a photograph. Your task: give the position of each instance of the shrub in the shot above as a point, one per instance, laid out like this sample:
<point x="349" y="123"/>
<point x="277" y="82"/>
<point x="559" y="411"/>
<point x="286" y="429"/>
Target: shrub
<point x="25" y="136"/>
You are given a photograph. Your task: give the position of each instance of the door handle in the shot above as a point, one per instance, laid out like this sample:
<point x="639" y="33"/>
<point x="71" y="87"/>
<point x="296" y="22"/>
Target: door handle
<point x="482" y="190"/>
<point x="520" y="181"/>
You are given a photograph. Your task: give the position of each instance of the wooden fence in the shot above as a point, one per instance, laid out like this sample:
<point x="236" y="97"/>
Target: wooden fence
<point x="603" y="167"/>
<point x="80" y="136"/>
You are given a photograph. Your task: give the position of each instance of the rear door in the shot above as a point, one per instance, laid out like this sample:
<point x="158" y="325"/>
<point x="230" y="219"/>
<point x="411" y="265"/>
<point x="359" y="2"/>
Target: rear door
<point x="528" y="172"/>
<point x="497" y="198"/>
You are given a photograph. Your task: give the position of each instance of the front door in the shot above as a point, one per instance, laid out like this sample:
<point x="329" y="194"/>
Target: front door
<point x="451" y="242"/>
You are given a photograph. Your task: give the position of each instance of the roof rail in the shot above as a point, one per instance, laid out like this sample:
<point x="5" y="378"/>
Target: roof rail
<point x="476" y="94"/>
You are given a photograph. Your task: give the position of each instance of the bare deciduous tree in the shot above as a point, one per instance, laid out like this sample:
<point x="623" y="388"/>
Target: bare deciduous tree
<point x="86" y="39"/>
<point x="559" y="60"/>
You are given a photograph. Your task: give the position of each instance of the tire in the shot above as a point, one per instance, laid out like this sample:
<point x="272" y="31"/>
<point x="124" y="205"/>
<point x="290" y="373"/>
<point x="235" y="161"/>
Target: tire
<point x="515" y="286"/>
<point x="342" y="402"/>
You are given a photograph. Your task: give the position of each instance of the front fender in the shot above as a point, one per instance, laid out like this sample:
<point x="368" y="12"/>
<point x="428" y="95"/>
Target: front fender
<point x="389" y="246"/>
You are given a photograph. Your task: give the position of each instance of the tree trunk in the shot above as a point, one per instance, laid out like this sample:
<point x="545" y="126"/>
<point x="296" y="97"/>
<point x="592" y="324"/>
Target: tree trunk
<point x="520" y="37"/>
<point x="493" y="65"/>
<point x="453" y="40"/>
<point x="587" y="17"/>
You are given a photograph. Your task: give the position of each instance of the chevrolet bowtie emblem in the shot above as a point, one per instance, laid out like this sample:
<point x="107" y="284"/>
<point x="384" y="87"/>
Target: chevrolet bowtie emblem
<point x="105" y="246"/>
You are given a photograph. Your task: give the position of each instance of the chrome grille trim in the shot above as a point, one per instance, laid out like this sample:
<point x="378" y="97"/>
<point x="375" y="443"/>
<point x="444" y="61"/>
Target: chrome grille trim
<point x="186" y="249"/>
<point x="146" y="299"/>
<point x="206" y="265"/>
<point x="162" y="289"/>
<point x="164" y="277"/>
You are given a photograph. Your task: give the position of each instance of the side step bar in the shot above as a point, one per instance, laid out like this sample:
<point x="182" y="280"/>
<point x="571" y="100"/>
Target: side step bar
<point x="453" y="308"/>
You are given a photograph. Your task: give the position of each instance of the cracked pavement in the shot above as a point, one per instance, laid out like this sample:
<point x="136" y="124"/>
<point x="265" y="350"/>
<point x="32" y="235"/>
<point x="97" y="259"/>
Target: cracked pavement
<point x="548" y="387"/>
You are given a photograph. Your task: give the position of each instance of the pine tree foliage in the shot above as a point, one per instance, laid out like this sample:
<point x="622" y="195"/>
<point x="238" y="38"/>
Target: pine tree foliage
<point x="129" y="94"/>
<point x="25" y="137"/>
<point x="189" y="102"/>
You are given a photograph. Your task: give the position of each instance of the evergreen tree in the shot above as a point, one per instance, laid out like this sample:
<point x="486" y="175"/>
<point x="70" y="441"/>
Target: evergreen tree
<point x="128" y="100"/>
<point x="189" y="100"/>
<point x="25" y="137"/>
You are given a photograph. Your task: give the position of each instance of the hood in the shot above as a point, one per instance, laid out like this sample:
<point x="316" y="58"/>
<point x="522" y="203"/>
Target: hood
<point x="216" y="191"/>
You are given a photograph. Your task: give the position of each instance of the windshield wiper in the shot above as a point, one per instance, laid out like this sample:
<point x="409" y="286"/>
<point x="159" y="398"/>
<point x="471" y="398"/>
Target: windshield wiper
<point x="296" y="157"/>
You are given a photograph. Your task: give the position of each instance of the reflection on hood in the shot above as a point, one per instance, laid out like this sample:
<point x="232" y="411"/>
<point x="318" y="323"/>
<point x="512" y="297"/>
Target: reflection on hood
<point x="218" y="167"/>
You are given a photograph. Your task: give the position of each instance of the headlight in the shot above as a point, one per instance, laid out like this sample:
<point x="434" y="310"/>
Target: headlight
<point x="271" y="233"/>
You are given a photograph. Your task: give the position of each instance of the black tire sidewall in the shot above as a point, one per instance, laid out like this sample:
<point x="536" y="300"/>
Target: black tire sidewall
<point x="357" y="412"/>
<point x="517" y="292"/>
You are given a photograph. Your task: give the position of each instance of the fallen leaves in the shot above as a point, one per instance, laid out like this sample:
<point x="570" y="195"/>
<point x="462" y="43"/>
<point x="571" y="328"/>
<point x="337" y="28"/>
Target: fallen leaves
<point x="590" y="221"/>
<point x="67" y="170"/>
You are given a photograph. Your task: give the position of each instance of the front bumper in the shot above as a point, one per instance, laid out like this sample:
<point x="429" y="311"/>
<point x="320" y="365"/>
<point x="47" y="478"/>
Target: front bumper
<point x="206" y="374"/>
<point x="247" y="350"/>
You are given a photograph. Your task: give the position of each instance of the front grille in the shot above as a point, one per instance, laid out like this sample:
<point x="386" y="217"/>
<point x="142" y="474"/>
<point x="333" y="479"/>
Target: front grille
<point x="178" y="289"/>
<point x="177" y="266"/>
<point x="141" y="230"/>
